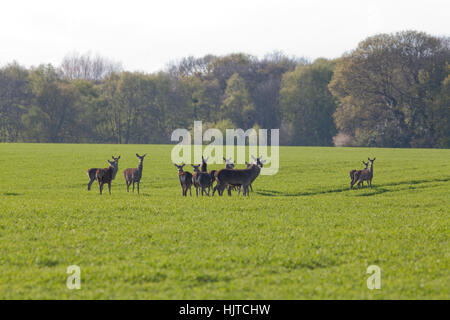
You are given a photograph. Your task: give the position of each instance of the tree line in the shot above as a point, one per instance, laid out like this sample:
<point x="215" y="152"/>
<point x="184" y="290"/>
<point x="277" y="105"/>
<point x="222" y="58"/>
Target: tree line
<point x="393" y="90"/>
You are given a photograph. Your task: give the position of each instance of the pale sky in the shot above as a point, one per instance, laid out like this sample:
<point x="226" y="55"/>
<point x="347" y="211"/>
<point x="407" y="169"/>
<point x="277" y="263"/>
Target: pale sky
<point x="146" y="35"/>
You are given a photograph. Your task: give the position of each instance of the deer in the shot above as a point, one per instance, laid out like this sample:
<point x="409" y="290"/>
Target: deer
<point x="201" y="179"/>
<point x="134" y="175"/>
<point x="243" y="177"/>
<point x="185" y="180"/>
<point x="354" y="174"/>
<point x="91" y="172"/>
<point x="228" y="165"/>
<point x="106" y="176"/>
<point x="248" y="165"/>
<point x="365" y="175"/>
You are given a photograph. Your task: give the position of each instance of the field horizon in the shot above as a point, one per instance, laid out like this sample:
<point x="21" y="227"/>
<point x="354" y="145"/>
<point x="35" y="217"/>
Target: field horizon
<point x="302" y="233"/>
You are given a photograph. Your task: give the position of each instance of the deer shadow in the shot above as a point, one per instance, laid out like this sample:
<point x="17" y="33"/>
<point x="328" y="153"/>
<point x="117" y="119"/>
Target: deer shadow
<point x="376" y="189"/>
<point x="12" y="194"/>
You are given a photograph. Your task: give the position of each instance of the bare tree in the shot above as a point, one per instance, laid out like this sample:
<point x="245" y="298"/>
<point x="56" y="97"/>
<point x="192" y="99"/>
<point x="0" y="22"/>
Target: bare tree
<point x="88" y="67"/>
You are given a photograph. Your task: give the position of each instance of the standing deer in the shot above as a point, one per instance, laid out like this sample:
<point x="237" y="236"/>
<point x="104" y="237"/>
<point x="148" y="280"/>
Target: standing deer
<point x="243" y="177"/>
<point x="201" y="179"/>
<point x="185" y="180"/>
<point x="354" y="174"/>
<point x="134" y="175"/>
<point x="365" y="175"/>
<point x="91" y="172"/>
<point x="106" y="175"/>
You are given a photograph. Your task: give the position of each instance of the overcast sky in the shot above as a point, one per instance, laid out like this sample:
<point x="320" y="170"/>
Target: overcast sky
<point x="146" y="35"/>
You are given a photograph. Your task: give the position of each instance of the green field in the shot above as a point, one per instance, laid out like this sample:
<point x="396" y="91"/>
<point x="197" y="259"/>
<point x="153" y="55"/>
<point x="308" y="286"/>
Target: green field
<point x="302" y="234"/>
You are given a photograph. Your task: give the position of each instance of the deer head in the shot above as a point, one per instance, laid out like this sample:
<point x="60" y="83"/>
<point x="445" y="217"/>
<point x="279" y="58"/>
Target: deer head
<point x="366" y="164"/>
<point x="228" y="163"/>
<point x="179" y="167"/>
<point x="258" y="161"/>
<point x="196" y="167"/>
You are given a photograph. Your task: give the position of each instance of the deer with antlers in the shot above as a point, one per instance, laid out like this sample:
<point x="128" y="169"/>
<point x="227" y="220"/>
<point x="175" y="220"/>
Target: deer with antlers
<point x="364" y="175"/>
<point x="91" y="172"/>
<point x="134" y="175"/>
<point x="185" y="180"/>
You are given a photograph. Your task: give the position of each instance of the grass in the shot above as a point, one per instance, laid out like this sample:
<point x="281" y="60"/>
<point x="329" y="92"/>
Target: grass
<point x="302" y="234"/>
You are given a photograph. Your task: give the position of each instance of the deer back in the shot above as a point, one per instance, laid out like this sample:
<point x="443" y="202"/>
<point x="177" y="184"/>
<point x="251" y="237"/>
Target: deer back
<point x="130" y="174"/>
<point x="238" y="176"/>
<point x="104" y="175"/>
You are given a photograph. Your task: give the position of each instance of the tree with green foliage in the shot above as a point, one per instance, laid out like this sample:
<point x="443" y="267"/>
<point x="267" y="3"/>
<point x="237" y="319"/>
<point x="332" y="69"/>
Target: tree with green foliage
<point x="307" y="106"/>
<point x="237" y="105"/>
<point x="386" y="86"/>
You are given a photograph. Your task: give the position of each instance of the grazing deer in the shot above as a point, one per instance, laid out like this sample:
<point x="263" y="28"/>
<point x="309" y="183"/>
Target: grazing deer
<point x="185" y="180"/>
<point x="354" y="174"/>
<point x="243" y="177"/>
<point x="91" y="172"/>
<point x="106" y="176"/>
<point x="134" y="175"/>
<point x="365" y="175"/>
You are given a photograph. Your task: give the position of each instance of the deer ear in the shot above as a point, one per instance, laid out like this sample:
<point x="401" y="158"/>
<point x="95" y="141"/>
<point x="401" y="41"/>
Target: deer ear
<point x="137" y="155"/>
<point x="118" y="158"/>
<point x="374" y="159"/>
<point x="253" y="157"/>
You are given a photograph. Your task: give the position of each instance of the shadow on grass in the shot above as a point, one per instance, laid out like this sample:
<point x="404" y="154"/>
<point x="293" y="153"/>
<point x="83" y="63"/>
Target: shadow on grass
<point x="12" y="194"/>
<point x="376" y="189"/>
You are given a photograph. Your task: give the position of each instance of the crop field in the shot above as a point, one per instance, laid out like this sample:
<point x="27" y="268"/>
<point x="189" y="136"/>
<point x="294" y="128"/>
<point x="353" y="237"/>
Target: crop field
<point x="302" y="233"/>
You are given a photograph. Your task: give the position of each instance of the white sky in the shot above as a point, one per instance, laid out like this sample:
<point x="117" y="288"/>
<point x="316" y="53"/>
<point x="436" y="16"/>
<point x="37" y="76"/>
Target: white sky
<point x="146" y="35"/>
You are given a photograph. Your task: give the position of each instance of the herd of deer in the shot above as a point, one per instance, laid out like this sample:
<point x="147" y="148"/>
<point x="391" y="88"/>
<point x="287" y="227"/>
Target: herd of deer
<point x="227" y="178"/>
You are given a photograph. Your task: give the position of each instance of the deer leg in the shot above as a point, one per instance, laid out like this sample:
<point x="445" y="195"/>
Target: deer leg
<point x="90" y="183"/>
<point x="109" y="187"/>
<point x="133" y="186"/>
<point x="251" y="188"/>
<point x="138" y="186"/>
<point x="229" y="191"/>
<point x="101" y="187"/>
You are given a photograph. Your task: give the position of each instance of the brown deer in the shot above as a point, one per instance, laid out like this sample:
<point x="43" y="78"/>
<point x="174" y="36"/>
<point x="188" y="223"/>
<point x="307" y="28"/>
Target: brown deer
<point x="91" y="172"/>
<point x="365" y="175"/>
<point x="105" y="176"/>
<point x="201" y="179"/>
<point x="134" y="175"/>
<point x="354" y="174"/>
<point x="228" y="165"/>
<point x="243" y="177"/>
<point x="185" y="180"/>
